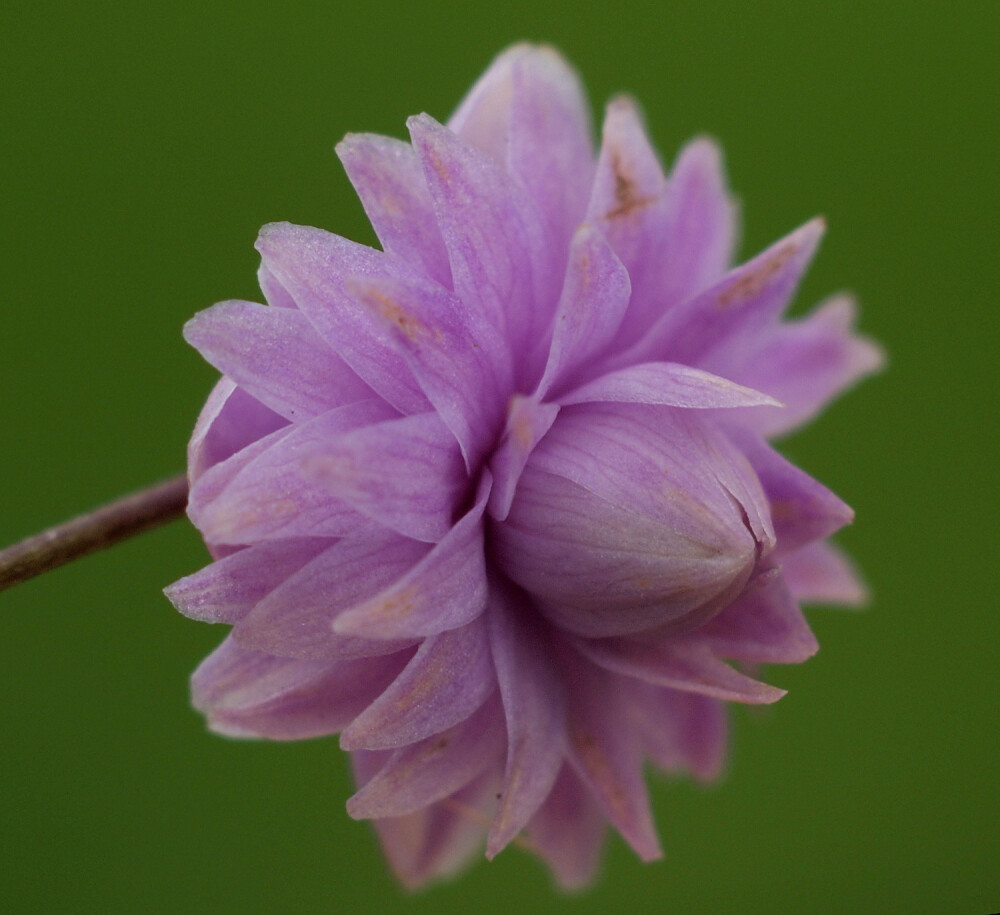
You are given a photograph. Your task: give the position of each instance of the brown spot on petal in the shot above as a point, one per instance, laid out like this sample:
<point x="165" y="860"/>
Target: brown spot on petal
<point x="397" y="606"/>
<point x="395" y="313"/>
<point x="627" y="196"/>
<point x="754" y="281"/>
<point x="597" y="763"/>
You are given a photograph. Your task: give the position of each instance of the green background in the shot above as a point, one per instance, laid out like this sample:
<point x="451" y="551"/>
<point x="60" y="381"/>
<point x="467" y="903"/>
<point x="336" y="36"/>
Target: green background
<point x="141" y="148"/>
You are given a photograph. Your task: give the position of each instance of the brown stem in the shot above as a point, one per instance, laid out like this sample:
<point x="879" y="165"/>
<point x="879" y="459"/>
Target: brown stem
<point x="95" y="530"/>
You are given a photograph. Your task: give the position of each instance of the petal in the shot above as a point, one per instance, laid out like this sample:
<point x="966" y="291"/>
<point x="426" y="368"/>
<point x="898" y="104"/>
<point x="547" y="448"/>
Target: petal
<point x="263" y="492"/>
<point x="460" y="362"/>
<point x="446" y="589"/>
<point x="669" y="384"/>
<point x="734" y="309"/>
<point x="550" y="150"/>
<point x="764" y="625"/>
<point x="387" y="176"/>
<point x="591" y="306"/>
<point x="295" y="619"/>
<point x="313" y="266"/>
<point x="804" y="363"/>
<point x="567" y="831"/>
<point x="406" y="473"/>
<point x="803" y="509"/>
<point x="606" y="755"/>
<point x="499" y="258"/>
<point x="820" y="573"/>
<point x="527" y="421"/>
<point x="701" y="235"/>
<point x="422" y="773"/>
<point x="680" y="730"/>
<point x="629" y="205"/>
<point x="226" y="591"/>
<point x="450" y="676"/>
<point x="230" y="420"/>
<point x="276" y="355"/>
<point x="534" y="708"/>
<point x="437" y="840"/>
<point x="687" y="665"/>
<point x="251" y="694"/>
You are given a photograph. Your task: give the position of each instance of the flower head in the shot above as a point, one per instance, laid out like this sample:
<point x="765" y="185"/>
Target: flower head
<point x="497" y="503"/>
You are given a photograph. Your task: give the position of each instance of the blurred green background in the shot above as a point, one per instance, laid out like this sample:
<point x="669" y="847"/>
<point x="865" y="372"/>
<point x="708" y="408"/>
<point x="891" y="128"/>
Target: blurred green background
<point x="141" y="149"/>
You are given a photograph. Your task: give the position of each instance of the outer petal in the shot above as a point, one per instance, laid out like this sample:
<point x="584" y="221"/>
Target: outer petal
<point x="764" y="625"/>
<point x="436" y="841"/>
<point x="668" y="384"/>
<point x="568" y="831"/>
<point x="804" y="363"/>
<point x="820" y="573"/>
<point x="803" y="509"/>
<point x="685" y="665"/>
<point x="534" y="706"/>
<point x="594" y="297"/>
<point x="445" y="590"/>
<point x="276" y="355"/>
<point x="226" y="591"/>
<point x="404" y="473"/>
<point x="734" y="309"/>
<point x="605" y="752"/>
<point x="450" y="676"/>
<point x="680" y="730"/>
<point x="387" y="176"/>
<point x="313" y="266"/>
<point x="499" y="259"/>
<point x="459" y="360"/>
<point x="295" y="619"/>
<point x="230" y="420"/>
<point x="262" y="492"/>
<point x="425" y="772"/>
<point x="251" y="694"/>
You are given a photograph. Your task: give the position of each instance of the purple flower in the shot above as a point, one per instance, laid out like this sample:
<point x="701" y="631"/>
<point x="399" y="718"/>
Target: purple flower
<point x="497" y="503"/>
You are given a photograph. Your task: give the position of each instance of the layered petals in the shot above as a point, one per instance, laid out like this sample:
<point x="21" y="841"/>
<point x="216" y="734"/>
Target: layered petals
<point x="497" y="503"/>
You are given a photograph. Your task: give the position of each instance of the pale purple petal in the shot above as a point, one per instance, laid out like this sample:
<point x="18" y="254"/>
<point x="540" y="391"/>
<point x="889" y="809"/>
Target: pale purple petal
<point x="230" y="420"/>
<point x="594" y="297"/>
<point x="227" y="590"/>
<point x="820" y="573"/>
<point x="735" y="308"/>
<point x="534" y="709"/>
<point x="669" y="384"/>
<point x="429" y="770"/>
<point x="275" y="355"/>
<point x="458" y="359"/>
<point x="686" y="665"/>
<point x="263" y="492"/>
<point x="313" y="267"/>
<point x="390" y="183"/>
<point x="550" y="149"/>
<point x="606" y="754"/>
<point x="680" y="730"/>
<point x="295" y="619"/>
<point x="527" y="421"/>
<point x="568" y="831"/>
<point x="804" y="363"/>
<point x="252" y="694"/>
<point x="450" y="676"/>
<point x="803" y="509"/>
<point x="406" y="474"/>
<point x="446" y="589"/>
<point x="494" y="240"/>
<point x="764" y="625"/>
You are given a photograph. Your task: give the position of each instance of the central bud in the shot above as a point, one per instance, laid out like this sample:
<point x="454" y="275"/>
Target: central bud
<point x="629" y="518"/>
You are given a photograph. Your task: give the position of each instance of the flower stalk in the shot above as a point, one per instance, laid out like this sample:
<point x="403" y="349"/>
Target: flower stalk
<point x="96" y="530"/>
